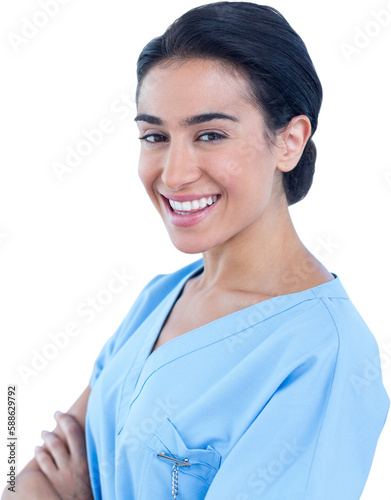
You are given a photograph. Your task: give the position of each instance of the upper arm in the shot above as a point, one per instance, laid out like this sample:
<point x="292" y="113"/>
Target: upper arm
<point x="78" y="411"/>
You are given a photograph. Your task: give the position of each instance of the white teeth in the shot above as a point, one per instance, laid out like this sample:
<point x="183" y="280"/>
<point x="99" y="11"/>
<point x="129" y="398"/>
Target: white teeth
<point x="187" y="206"/>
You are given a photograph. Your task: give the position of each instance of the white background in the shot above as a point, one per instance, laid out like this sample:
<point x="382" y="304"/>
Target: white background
<point x="61" y="241"/>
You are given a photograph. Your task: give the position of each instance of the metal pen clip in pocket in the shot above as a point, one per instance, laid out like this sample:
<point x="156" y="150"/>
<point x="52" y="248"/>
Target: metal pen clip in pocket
<point x="176" y="464"/>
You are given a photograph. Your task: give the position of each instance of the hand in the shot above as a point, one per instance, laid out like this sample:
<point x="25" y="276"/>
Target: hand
<point x="64" y="462"/>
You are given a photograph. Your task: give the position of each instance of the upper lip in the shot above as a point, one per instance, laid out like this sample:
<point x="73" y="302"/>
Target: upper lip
<point x="188" y="197"/>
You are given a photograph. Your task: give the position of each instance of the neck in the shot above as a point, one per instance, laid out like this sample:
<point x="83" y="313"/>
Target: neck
<point x="267" y="257"/>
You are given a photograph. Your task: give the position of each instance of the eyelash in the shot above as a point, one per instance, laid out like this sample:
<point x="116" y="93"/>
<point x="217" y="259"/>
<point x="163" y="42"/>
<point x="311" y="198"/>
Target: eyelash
<point x="218" y="138"/>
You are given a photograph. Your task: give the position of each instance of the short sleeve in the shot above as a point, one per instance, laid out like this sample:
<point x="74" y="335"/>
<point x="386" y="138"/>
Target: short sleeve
<point x="316" y="437"/>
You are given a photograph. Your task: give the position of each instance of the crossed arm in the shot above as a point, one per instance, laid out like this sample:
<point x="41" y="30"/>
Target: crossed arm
<point x="59" y="468"/>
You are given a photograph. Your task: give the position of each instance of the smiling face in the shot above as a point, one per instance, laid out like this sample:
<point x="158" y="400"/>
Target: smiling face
<point x="205" y="161"/>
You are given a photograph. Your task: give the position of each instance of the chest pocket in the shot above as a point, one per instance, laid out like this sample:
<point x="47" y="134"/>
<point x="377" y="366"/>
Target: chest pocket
<point x="169" y="468"/>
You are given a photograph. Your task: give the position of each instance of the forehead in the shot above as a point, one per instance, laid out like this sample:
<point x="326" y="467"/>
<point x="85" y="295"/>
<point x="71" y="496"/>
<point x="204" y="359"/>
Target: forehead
<point x="192" y="85"/>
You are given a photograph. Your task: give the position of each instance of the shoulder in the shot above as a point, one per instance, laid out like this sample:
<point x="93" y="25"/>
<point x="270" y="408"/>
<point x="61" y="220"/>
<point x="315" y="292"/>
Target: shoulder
<point x="322" y="330"/>
<point x="319" y="316"/>
<point x="343" y="321"/>
<point x="154" y="292"/>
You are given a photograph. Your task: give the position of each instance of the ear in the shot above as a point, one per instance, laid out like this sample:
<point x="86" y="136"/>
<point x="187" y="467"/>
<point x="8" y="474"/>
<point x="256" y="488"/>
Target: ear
<point x="293" y="141"/>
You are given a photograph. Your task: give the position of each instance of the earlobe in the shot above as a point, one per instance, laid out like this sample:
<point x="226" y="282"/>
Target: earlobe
<point x="294" y="139"/>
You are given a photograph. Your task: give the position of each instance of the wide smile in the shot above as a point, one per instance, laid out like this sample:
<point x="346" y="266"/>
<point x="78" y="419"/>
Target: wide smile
<point x="190" y="210"/>
<point x="189" y="207"/>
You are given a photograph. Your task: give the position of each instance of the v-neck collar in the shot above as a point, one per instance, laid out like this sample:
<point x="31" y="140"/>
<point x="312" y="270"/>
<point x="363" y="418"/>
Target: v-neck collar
<point x="147" y="363"/>
<point x="150" y="330"/>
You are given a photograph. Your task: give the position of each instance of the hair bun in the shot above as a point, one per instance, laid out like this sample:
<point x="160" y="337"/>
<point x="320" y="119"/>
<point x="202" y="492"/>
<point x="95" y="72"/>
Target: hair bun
<point x="298" y="181"/>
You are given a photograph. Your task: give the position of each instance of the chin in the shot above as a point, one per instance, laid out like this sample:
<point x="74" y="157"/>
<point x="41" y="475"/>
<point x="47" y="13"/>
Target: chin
<point x="189" y="248"/>
<point x="190" y="245"/>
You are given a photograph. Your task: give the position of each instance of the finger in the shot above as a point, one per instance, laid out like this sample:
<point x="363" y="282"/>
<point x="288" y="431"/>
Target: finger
<point x="73" y="433"/>
<point x="45" y="462"/>
<point x="57" y="448"/>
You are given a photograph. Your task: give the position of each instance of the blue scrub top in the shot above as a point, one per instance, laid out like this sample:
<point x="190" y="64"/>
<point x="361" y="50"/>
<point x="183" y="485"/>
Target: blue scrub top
<point x="282" y="400"/>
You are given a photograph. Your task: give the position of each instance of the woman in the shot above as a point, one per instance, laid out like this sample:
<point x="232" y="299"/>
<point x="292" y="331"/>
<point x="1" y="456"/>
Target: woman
<point x="239" y="376"/>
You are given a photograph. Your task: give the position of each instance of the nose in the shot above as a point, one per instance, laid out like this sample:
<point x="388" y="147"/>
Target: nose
<point x="179" y="166"/>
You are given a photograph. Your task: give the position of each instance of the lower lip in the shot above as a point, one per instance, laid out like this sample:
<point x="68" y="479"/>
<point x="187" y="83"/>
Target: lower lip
<point x="192" y="218"/>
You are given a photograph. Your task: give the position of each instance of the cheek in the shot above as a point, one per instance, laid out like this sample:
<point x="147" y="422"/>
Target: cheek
<point x="142" y="171"/>
<point x="227" y="166"/>
<point x="243" y="164"/>
<point x="147" y="174"/>
<point x="228" y="170"/>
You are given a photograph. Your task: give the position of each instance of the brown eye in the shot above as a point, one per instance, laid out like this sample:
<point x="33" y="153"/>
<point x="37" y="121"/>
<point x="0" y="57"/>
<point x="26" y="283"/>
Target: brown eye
<point x="211" y="136"/>
<point x="153" y="138"/>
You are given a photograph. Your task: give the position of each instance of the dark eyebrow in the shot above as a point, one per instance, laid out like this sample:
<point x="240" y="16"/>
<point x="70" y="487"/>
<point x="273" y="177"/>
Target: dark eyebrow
<point x="154" y="120"/>
<point x="207" y="117"/>
<point x="192" y="120"/>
